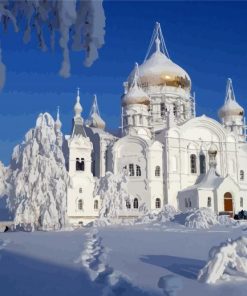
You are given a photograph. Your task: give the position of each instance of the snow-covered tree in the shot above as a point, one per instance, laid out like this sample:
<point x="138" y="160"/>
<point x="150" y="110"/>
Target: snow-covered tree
<point x="3" y="173"/>
<point x="38" y="178"/>
<point x="79" y="23"/>
<point x="112" y="189"/>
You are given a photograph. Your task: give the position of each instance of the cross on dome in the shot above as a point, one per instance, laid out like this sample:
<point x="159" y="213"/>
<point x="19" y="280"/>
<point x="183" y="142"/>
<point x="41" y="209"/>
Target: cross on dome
<point x="158" y="39"/>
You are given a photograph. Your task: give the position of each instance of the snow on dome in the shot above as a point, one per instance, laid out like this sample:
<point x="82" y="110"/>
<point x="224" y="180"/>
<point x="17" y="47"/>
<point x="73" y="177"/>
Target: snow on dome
<point x="158" y="69"/>
<point x="230" y="107"/>
<point x="135" y="94"/>
<point x="212" y="149"/>
<point x="95" y="119"/>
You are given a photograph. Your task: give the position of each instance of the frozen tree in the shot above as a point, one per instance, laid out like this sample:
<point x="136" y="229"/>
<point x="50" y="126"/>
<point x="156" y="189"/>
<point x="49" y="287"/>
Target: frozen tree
<point x="3" y="173"/>
<point x="39" y="178"/>
<point x="79" y="23"/>
<point x="112" y="189"/>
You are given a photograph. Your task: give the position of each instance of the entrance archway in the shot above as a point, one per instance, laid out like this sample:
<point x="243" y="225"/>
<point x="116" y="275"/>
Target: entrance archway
<point x="228" y="204"/>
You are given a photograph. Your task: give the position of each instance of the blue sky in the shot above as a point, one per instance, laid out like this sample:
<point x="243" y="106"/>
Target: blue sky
<point x="207" y="39"/>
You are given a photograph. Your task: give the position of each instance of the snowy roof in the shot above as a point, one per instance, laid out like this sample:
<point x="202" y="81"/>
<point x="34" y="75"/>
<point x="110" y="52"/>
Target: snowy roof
<point x="211" y="180"/>
<point x="78" y="129"/>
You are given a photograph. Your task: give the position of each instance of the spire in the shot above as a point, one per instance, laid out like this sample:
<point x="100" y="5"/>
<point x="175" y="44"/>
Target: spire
<point x="158" y="39"/>
<point x="58" y="123"/>
<point x="78" y="108"/>
<point x="230" y="96"/>
<point x="136" y="76"/>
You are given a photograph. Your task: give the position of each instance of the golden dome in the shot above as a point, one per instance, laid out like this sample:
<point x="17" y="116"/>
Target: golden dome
<point x="160" y="70"/>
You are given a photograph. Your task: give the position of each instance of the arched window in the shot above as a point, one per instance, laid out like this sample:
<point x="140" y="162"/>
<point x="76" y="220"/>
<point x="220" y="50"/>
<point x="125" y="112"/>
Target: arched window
<point x="209" y="202"/>
<point x="80" y="204"/>
<point x="96" y="205"/>
<point x="241" y="202"/>
<point x="80" y="164"/>
<point x="135" y="203"/>
<point x="131" y="169"/>
<point x="157" y="171"/>
<point x="138" y="171"/>
<point x="162" y="109"/>
<point x="128" y="205"/>
<point x="157" y="203"/>
<point x="189" y="203"/>
<point x="186" y="203"/>
<point x="202" y="164"/>
<point x="193" y="163"/>
<point x="241" y="175"/>
<point x="80" y="190"/>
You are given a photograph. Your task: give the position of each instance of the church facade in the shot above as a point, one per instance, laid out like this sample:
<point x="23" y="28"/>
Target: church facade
<point x="171" y="156"/>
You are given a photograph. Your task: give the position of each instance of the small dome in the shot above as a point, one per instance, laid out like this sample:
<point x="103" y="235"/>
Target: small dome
<point x="212" y="149"/>
<point x="96" y="121"/>
<point x="135" y="95"/>
<point x="78" y="108"/>
<point x="160" y="70"/>
<point x="231" y="108"/>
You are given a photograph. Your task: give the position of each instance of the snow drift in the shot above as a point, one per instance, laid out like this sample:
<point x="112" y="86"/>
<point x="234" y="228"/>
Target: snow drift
<point x="202" y="218"/>
<point x="38" y="179"/>
<point x="226" y="261"/>
<point x="165" y="215"/>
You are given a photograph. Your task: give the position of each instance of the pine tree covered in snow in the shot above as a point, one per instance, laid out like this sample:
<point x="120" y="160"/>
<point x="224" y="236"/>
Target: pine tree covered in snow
<point x="3" y="173"/>
<point x="38" y="178"/>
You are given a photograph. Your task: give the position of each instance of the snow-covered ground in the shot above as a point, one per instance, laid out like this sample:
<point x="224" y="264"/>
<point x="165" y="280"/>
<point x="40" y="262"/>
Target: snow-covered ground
<point x="114" y="260"/>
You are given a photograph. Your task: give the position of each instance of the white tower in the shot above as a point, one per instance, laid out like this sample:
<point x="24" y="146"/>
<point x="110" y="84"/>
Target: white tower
<point x="81" y="208"/>
<point x="232" y="114"/>
<point x="135" y="115"/>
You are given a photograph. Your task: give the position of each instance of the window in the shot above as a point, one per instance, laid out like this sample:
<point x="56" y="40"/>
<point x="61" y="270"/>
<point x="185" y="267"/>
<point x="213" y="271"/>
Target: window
<point x="189" y="203"/>
<point x="80" y="164"/>
<point x="128" y="205"/>
<point x="209" y="202"/>
<point x="241" y="202"/>
<point x="141" y="120"/>
<point x="162" y="109"/>
<point x="157" y="171"/>
<point x="138" y="171"/>
<point x="175" y="111"/>
<point x="96" y="205"/>
<point x="186" y="203"/>
<point x="193" y="163"/>
<point x="131" y="169"/>
<point x="80" y="190"/>
<point x="80" y="204"/>
<point x="157" y="203"/>
<point x="135" y="203"/>
<point x="202" y="164"/>
<point x="241" y="175"/>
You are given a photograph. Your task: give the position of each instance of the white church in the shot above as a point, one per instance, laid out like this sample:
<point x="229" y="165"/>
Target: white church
<point x="171" y="156"/>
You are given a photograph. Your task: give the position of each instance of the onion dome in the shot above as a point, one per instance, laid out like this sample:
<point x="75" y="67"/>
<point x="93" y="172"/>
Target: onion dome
<point x="95" y="119"/>
<point x="212" y="149"/>
<point x="58" y="123"/>
<point x="230" y="107"/>
<point x="159" y="69"/>
<point x="135" y="94"/>
<point x="78" y="108"/>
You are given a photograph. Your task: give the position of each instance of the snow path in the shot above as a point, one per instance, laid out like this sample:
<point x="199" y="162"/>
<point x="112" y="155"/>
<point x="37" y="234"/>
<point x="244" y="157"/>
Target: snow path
<point x="94" y="259"/>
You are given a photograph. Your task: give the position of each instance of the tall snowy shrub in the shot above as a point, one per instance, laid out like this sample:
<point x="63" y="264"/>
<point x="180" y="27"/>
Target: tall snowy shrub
<point x="39" y="178"/>
<point x="112" y="189"/>
<point x="3" y="172"/>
